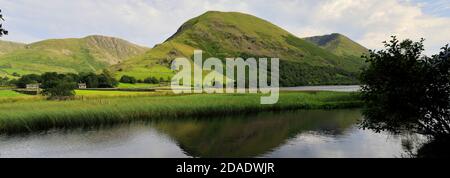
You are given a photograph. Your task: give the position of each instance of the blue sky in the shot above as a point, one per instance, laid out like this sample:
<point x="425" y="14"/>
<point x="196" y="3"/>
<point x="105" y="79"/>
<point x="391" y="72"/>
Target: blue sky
<point x="149" y="22"/>
<point x="435" y="7"/>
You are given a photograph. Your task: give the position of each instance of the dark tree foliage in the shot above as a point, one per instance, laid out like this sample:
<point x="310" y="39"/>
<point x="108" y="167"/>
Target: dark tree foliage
<point x="107" y="80"/>
<point x="62" y="86"/>
<point x="4" y="81"/>
<point x="300" y="74"/>
<point x="58" y="86"/>
<point x="92" y="80"/>
<point x="2" y="31"/>
<point x="128" y="79"/>
<point x="27" y="79"/>
<point x="47" y="80"/>
<point x="407" y="91"/>
<point x="61" y="90"/>
<point x="151" y="80"/>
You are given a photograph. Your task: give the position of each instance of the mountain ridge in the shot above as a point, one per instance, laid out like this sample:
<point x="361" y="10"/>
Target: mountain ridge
<point x="338" y="44"/>
<point x="234" y="34"/>
<point x="319" y="60"/>
<point x="9" y="46"/>
<point x="88" y="54"/>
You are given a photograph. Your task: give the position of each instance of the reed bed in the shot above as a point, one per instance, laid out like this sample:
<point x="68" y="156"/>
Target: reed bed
<point x="41" y="115"/>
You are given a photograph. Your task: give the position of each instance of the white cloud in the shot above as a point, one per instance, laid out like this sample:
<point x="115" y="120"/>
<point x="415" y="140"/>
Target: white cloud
<point x="149" y="22"/>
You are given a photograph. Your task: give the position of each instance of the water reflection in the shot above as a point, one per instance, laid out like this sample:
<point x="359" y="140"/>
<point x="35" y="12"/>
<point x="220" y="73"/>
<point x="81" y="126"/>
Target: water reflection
<point x="251" y="136"/>
<point x="288" y="134"/>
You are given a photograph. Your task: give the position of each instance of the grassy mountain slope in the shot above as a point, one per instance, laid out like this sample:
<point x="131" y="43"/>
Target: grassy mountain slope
<point x="232" y="34"/>
<point x="9" y="46"/>
<point x="338" y="44"/>
<point x="89" y="54"/>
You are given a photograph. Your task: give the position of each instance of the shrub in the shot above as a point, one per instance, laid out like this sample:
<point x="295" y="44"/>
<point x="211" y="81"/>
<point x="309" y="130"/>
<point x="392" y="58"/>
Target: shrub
<point x="151" y="80"/>
<point x="128" y="79"/>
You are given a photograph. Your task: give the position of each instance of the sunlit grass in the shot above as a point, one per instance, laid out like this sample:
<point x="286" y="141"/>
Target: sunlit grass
<point x="10" y="93"/>
<point x="109" y="93"/>
<point x="137" y="85"/>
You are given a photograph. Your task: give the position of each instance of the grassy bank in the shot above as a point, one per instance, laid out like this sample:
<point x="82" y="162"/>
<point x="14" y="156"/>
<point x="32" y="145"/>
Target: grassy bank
<point x="37" y="115"/>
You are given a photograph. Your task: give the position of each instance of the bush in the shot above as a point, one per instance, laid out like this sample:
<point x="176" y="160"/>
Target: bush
<point x="15" y="74"/>
<point x="128" y="79"/>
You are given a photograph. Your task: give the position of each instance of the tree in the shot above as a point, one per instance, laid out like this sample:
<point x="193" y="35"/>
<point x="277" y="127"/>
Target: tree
<point x="151" y="80"/>
<point x="2" y="31"/>
<point x="49" y="79"/>
<point x="4" y="81"/>
<point x="54" y="85"/>
<point x="103" y="80"/>
<point x="60" y="89"/>
<point x="27" y="79"/>
<point x="106" y="80"/>
<point x="407" y="91"/>
<point x="128" y="79"/>
<point x="90" y="79"/>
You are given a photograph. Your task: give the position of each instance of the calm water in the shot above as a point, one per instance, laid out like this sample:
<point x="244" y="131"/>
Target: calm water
<point x="340" y="88"/>
<point x="289" y="134"/>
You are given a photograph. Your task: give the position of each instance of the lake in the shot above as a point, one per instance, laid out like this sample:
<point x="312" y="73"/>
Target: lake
<point x="339" y="88"/>
<point x="294" y="134"/>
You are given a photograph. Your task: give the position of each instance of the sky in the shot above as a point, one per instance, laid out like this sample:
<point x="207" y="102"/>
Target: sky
<point x="149" y="22"/>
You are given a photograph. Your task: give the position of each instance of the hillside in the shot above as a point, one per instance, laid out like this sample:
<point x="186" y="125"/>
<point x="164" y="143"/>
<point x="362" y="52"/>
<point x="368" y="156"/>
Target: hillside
<point x="89" y="54"/>
<point x="9" y="46"/>
<point x="338" y="44"/>
<point x="232" y="34"/>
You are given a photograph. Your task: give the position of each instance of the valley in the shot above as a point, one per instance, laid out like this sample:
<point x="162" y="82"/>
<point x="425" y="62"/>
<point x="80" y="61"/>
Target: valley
<point x="322" y="60"/>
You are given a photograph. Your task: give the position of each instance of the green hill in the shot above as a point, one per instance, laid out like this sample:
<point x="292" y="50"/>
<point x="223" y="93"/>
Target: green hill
<point x="232" y="34"/>
<point x="9" y="46"/>
<point x="338" y="44"/>
<point x="89" y="54"/>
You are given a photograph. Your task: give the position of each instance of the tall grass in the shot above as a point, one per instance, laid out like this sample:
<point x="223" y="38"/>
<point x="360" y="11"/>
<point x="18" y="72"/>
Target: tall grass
<point x="29" y="116"/>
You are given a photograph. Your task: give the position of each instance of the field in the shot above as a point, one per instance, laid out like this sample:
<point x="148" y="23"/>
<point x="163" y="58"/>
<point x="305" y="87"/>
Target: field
<point x="9" y="93"/>
<point x="137" y="85"/>
<point x="109" y="93"/>
<point x="37" y="115"/>
<point x="142" y="73"/>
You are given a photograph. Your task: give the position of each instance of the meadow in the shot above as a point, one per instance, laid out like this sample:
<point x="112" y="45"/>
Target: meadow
<point x="25" y="115"/>
<point x="10" y="93"/>
<point x="137" y="85"/>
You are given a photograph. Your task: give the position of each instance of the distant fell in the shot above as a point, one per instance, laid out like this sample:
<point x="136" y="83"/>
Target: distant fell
<point x="88" y="54"/>
<point x="9" y="46"/>
<point x="234" y="34"/>
<point x="338" y="44"/>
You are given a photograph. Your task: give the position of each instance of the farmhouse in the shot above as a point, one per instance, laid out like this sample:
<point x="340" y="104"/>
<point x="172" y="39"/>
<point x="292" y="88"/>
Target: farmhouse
<point x="32" y="86"/>
<point x="82" y="86"/>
